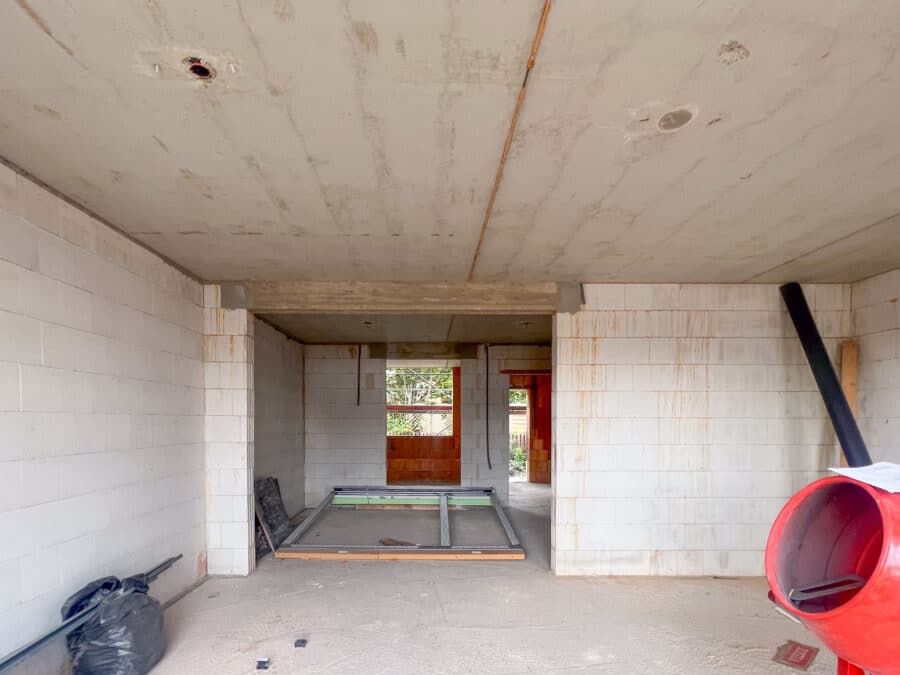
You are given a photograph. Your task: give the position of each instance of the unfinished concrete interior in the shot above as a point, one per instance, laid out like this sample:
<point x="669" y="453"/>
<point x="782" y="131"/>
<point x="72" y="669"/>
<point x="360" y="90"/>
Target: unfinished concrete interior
<point x="224" y="225"/>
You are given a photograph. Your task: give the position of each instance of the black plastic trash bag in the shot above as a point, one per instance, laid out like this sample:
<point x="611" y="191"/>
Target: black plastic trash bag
<point x="124" y="637"/>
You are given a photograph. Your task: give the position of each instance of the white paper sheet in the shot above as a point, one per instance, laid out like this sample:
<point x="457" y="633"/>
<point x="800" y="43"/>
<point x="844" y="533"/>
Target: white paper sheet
<point x="883" y="475"/>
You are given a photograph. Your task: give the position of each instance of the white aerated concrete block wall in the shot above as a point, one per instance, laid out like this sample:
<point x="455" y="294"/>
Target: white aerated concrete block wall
<point x="228" y="373"/>
<point x="876" y="323"/>
<point x="474" y="469"/>
<point x="278" y="403"/>
<point x="345" y="442"/>
<point x="473" y="447"/>
<point x="101" y="412"/>
<point x="685" y="416"/>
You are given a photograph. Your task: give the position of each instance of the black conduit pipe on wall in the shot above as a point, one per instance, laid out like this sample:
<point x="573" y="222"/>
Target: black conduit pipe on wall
<point x="487" y="404"/>
<point x="835" y="402"/>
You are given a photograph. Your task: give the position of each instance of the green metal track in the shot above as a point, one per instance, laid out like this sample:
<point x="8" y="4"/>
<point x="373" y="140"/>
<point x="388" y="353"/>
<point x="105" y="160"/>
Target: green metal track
<point x="348" y="500"/>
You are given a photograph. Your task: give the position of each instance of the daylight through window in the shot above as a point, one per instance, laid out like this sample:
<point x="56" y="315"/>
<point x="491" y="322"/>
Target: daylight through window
<point x="419" y="401"/>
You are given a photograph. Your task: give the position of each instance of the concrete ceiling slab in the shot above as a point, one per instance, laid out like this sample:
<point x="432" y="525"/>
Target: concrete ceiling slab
<point x="793" y="147"/>
<point x="349" y="329"/>
<point x="342" y="140"/>
<point x="359" y="140"/>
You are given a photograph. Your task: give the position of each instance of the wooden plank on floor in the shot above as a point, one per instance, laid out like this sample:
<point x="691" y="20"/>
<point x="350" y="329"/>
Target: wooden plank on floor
<point x="265" y="528"/>
<point x="397" y="507"/>
<point x="299" y="553"/>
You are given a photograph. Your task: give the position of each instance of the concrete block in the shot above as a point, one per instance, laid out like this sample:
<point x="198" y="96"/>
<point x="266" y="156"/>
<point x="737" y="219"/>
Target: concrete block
<point x="875" y="290"/>
<point x="10" y="386"/>
<point x="604" y="296"/>
<point x="20" y="338"/>
<point x="830" y="296"/>
<point x="748" y="297"/>
<point x="41" y="572"/>
<point x="874" y="318"/>
<point x="212" y="295"/>
<point x="9" y="286"/>
<point x="20" y="241"/>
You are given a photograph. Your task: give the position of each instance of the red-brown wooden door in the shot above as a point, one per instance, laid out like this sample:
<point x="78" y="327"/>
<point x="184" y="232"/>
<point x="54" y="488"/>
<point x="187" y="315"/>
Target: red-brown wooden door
<point x="539" y="432"/>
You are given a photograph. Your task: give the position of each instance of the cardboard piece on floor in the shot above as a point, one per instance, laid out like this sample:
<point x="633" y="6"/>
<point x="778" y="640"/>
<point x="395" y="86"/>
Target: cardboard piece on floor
<point x="270" y="511"/>
<point x="795" y="655"/>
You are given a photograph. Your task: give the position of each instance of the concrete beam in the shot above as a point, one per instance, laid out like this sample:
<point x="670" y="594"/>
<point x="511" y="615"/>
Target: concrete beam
<point x="387" y="297"/>
<point x="570" y="298"/>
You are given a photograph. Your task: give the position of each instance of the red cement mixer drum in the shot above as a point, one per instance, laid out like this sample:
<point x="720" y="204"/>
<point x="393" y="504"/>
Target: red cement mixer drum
<point x="833" y="561"/>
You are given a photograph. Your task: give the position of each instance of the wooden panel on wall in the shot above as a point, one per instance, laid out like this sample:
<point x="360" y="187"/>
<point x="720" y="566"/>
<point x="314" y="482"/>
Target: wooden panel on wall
<point x="539" y="435"/>
<point x="422" y="459"/>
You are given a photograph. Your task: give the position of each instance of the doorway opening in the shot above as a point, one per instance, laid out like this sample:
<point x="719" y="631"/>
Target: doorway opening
<point x="529" y="426"/>
<point x="519" y="423"/>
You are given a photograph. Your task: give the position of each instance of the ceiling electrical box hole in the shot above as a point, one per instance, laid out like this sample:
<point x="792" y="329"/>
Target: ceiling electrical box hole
<point x="675" y="119"/>
<point x="200" y="68"/>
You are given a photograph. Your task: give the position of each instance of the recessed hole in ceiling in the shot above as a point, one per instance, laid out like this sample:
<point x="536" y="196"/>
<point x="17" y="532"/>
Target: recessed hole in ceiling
<point x="367" y="323"/>
<point x="732" y="52"/>
<point x="200" y="68"/>
<point x="675" y="119"/>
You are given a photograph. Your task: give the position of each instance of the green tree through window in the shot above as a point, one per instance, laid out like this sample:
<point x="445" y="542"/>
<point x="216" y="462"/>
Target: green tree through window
<point x="419" y="387"/>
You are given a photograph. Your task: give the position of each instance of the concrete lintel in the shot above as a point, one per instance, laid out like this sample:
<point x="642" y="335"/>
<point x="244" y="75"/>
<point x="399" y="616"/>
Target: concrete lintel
<point x="431" y="350"/>
<point x="388" y="297"/>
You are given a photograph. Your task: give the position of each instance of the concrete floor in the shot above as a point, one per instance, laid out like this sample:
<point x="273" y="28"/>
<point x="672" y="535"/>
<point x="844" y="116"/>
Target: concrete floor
<point x="473" y="617"/>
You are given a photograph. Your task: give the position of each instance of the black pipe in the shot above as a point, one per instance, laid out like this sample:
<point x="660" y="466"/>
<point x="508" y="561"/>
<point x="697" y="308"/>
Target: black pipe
<point x="835" y="402"/>
<point x="76" y="620"/>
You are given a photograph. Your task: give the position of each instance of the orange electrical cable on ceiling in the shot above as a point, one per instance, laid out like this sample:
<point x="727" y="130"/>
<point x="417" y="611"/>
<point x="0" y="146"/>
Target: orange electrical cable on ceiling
<point x="509" y="136"/>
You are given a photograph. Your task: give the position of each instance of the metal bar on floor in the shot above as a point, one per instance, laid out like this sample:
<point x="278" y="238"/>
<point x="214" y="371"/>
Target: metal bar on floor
<point x="362" y="490"/>
<point x="443" y="498"/>
<point x="301" y="529"/>
<point x="66" y="626"/>
<point x="385" y="547"/>
<point x="504" y="521"/>
<point x="78" y="619"/>
<point x="445" y="522"/>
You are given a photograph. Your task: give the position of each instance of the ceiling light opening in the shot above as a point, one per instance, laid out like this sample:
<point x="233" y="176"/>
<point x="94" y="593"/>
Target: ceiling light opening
<point x="199" y="68"/>
<point x="675" y="119"/>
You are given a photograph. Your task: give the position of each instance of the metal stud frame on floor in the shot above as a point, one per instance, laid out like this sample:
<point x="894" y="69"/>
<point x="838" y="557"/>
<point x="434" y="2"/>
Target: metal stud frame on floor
<point x="441" y="499"/>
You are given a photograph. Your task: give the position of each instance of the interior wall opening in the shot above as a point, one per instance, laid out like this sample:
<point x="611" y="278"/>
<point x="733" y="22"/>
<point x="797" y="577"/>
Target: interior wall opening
<point x="519" y="424"/>
<point x="529" y="426"/>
